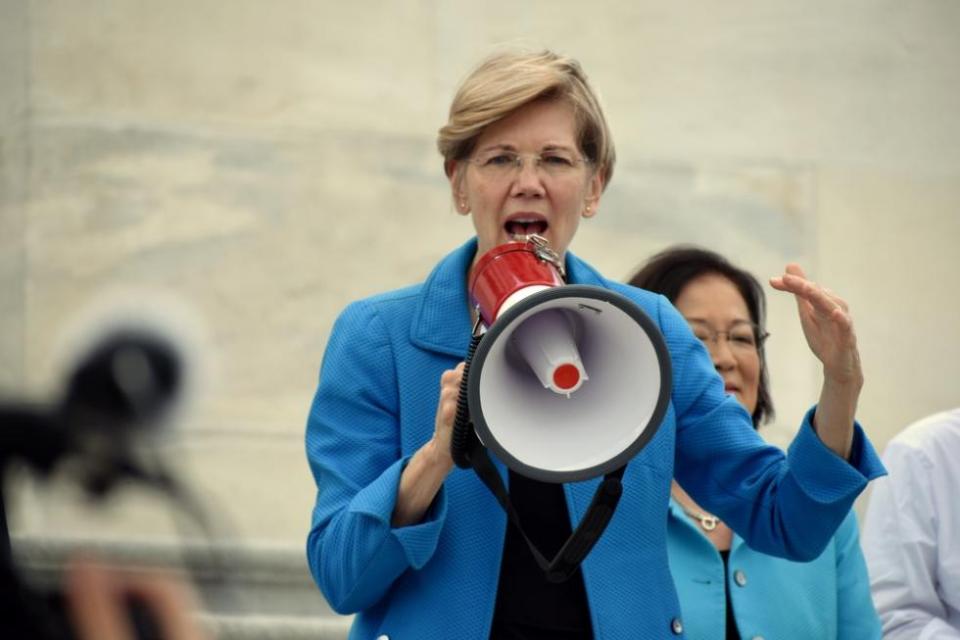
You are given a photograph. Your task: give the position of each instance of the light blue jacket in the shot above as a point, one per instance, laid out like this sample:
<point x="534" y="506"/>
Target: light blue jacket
<point x="437" y="580"/>
<point x="827" y="598"/>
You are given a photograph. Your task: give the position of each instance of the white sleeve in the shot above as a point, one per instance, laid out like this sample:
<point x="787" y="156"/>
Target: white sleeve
<point x="900" y="542"/>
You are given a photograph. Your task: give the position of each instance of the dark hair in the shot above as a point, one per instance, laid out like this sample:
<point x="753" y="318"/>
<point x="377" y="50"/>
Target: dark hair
<point x="669" y="271"/>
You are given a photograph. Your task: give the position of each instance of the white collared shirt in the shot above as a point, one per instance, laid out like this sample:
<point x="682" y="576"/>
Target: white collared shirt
<point x="911" y="536"/>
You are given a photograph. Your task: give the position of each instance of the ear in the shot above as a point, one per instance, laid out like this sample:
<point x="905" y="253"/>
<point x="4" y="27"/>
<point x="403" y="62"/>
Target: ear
<point x="592" y="199"/>
<point x="457" y="188"/>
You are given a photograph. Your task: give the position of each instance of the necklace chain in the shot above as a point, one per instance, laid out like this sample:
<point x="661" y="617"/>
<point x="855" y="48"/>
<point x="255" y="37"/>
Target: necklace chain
<point x="708" y="521"/>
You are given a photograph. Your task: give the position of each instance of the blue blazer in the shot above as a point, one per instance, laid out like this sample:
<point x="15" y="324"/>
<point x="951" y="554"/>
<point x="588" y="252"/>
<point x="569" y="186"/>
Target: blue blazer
<point x="375" y="406"/>
<point x="826" y="598"/>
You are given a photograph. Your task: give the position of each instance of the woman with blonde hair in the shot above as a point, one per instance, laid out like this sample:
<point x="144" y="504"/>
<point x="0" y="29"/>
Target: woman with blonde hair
<point x="420" y="550"/>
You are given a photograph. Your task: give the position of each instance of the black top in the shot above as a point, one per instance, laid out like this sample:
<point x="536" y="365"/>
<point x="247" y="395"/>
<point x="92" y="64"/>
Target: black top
<point x="528" y="606"/>
<point x="732" y="632"/>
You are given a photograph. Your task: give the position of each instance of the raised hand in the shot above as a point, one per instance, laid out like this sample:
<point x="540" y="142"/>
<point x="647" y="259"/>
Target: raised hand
<point x="827" y="325"/>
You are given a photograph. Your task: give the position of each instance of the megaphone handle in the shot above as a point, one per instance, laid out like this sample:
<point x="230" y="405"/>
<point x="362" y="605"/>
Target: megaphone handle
<point x="464" y="442"/>
<point x="581" y="541"/>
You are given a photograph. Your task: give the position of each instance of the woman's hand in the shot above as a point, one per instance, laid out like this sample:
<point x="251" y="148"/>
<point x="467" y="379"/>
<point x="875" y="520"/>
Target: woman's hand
<point x="447" y="411"/>
<point x="828" y="328"/>
<point x="428" y="468"/>
<point x="827" y="325"/>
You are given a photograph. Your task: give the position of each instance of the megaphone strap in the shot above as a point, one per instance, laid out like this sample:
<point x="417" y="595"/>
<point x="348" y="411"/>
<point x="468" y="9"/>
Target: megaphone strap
<point x="583" y="538"/>
<point x="467" y="452"/>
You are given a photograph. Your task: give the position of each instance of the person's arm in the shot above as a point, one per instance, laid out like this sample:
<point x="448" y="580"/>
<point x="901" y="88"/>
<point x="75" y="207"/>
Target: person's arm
<point x="901" y="546"/>
<point x="789" y="506"/>
<point x="856" y="616"/>
<point x="828" y="328"/>
<point x="353" y="445"/>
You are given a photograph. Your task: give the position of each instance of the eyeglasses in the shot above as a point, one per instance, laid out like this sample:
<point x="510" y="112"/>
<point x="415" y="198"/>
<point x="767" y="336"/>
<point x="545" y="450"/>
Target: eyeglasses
<point x="502" y="163"/>
<point x="742" y="336"/>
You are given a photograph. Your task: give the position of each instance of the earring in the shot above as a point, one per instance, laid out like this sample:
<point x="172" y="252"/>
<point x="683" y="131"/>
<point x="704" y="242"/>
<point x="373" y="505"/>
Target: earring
<point x="463" y="206"/>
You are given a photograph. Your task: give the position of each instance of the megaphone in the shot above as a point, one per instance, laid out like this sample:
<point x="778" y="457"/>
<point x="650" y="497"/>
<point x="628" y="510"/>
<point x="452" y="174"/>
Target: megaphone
<point x="561" y="382"/>
<point x="568" y="382"/>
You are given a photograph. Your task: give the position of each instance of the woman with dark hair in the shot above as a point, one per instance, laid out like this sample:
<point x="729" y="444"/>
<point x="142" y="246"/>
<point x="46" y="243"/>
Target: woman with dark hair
<point x="726" y="589"/>
<point x="669" y="271"/>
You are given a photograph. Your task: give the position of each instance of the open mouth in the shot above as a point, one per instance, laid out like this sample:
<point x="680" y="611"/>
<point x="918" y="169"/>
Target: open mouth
<point x="521" y="227"/>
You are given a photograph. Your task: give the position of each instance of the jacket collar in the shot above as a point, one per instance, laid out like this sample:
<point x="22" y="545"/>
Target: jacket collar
<point x="441" y="322"/>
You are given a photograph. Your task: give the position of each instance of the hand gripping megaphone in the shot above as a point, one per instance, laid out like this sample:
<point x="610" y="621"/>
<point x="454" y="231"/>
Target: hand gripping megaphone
<point x="563" y="383"/>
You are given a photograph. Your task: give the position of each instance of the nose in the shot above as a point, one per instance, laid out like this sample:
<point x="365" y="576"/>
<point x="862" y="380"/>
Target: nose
<point x="527" y="182"/>
<point x="721" y="354"/>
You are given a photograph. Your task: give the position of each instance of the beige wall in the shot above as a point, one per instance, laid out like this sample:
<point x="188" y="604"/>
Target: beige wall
<point x="13" y="171"/>
<point x="265" y="163"/>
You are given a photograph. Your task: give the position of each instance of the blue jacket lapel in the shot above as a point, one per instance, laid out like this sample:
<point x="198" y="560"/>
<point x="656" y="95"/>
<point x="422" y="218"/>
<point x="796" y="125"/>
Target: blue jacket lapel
<point x="441" y="322"/>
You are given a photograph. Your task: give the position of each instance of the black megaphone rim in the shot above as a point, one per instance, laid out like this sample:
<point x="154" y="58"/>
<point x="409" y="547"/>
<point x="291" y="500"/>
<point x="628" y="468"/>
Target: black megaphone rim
<point x="625" y="305"/>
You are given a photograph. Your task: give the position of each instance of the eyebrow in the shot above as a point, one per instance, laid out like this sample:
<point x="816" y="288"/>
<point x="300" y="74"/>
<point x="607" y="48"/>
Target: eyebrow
<point x="509" y="147"/>
<point x="735" y="323"/>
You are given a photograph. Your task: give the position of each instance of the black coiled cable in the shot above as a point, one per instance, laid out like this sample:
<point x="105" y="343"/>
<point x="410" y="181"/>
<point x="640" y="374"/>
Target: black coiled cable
<point x="464" y="440"/>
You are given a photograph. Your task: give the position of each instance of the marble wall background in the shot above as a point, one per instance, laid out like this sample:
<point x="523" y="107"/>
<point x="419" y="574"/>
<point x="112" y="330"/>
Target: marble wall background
<point x="265" y="163"/>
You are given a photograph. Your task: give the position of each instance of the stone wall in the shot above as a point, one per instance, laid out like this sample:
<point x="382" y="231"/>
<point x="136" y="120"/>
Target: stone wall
<point x="264" y="164"/>
<point x="14" y="52"/>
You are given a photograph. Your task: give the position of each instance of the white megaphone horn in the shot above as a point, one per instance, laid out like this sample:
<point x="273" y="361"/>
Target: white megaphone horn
<point x="568" y="382"/>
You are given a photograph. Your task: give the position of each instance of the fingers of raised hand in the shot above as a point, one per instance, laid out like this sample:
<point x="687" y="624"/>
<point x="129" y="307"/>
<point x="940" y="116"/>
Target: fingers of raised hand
<point x="837" y="299"/>
<point x="818" y="304"/>
<point x="795" y="269"/>
<point x="822" y="300"/>
<point x="830" y="308"/>
<point x="829" y="305"/>
<point x="783" y="283"/>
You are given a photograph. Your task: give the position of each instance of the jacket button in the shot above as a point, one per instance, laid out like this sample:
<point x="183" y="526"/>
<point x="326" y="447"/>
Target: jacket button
<point x="676" y="626"/>
<point x="757" y="638"/>
<point x="383" y="637"/>
<point x="740" y="578"/>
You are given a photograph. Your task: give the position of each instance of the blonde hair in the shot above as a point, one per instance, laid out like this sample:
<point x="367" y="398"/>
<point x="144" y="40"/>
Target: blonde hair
<point x="507" y="81"/>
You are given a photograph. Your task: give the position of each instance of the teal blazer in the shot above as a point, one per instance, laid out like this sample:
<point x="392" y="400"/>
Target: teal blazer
<point x="826" y="598"/>
<point x="375" y="406"/>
